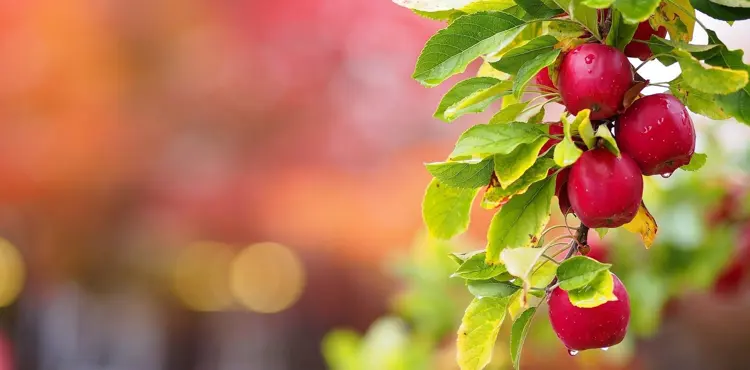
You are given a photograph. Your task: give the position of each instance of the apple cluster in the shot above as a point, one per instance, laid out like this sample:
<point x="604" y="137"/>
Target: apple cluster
<point x="655" y="136"/>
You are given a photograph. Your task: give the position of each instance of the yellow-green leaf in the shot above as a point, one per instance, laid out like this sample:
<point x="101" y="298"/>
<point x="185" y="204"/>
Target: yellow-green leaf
<point x="566" y="153"/>
<point x="496" y="195"/>
<point x="579" y="271"/>
<point x="472" y="173"/>
<point x="510" y="167"/>
<point x="608" y="140"/>
<point x="696" y="162"/>
<point x="518" y="335"/>
<point x="520" y="262"/>
<point x="697" y="101"/>
<point x="643" y="224"/>
<point x="520" y="222"/>
<point x="678" y="17"/>
<point x="475" y="268"/>
<point x="598" y="292"/>
<point x="478" y="332"/>
<point x="709" y="79"/>
<point x="446" y="209"/>
<point x="484" y="140"/>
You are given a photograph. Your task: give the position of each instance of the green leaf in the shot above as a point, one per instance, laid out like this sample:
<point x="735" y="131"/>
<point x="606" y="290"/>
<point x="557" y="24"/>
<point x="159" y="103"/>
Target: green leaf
<point x="496" y="195"/>
<point x="530" y="69"/>
<point x="452" y="49"/>
<point x="736" y="104"/>
<point x="490" y="288"/>
<point x="663" y="47"/>
<point x="720" y="12"/>
<point x="709" y="79"/>
<point x="519" y="222"/>
<point x="636" y="11"/>
<point x="696" y="162"/>
<point x="586" y="16"/>
<point x="446" y="209"/>
<point x="538" y="9"/>
<point x="586" y="131"/>
<point x="515" y="58"/>
<point x="476" y="269"/>
<point x="598" y="292"/>
<point x="520" y="262"/>
<point x="462" y="257"/>
<point x="477" y="6"/>
<point x="621" y="32"/>
<point x="602" y="231"/>
<point x="542" y="274"/>
<point x="697" y="101"/>
<point x="445" y="5"/>
<point x="510" y="167"/>
<point x="733" y="3"/>
<point x="485" y="140"/>
<point x="567" y="153"/>
<point x="440" y="15"/>
<point x="509" y="113"/>
<point x="463" y="174"/>
<point x="678" y="17"/>
<point x="471" y="96"/>
<point x="564" y="30"/>
<point x="608" y="139"/>
<point x="341" y="349"/>
<point x="518" y="335"/>
<point x="478" y="332"/>
<point x="579" y="271"/>
<point x="598" y="4"/>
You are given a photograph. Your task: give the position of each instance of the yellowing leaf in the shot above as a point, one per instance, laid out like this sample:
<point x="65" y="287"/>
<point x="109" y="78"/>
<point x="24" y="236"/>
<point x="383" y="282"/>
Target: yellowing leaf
<point x="510" y="167"/>
<point x="643" y="224"/>
<point x="709" y="79"/>
<point x="478" y="332"/>
<point x="596" y="293"/>
<point x="678" y="17"/>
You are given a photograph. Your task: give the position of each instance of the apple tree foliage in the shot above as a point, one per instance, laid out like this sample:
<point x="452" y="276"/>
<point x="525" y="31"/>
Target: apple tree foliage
<point x="501" y="160"/>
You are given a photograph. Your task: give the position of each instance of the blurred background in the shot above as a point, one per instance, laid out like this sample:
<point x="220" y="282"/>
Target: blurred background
<point x="236" y="184"/>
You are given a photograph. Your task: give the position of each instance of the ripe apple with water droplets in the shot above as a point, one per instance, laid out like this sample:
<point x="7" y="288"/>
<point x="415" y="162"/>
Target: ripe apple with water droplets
<point x="588" y="328"/>
<point x="596" y="77"/>
<point x="657" y="132"/>
<point x="605" y="190"/>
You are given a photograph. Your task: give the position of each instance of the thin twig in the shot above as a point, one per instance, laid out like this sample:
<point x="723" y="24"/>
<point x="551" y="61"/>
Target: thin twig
<point x="580" y="239"/>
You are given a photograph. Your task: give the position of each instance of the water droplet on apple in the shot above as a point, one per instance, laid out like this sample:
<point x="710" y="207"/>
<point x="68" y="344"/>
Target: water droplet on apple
<point x="589" y="58"/>
<point x="572" y="352"/>
<point x="605" y="349"/>
<point x="666" y="175"/>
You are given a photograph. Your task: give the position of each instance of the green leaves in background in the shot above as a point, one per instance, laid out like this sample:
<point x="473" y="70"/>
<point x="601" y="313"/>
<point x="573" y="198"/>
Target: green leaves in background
<point x="530" y="69"/>
<point x="696" y="162"/>
<point x="578" y="272"/>
<point x="452" y="49"/>
<point x="475" y="268"/>
<point x="697" y="101"/>
<point x="478" y="332"/>
<point x="510" y="167"/>
<point x="709" y="79"/>
<point x="515" y="58"/>
<point x="621" y="32"/>
<point x="483" y="140"/>
<point x="471" y="96"/>
<point x="715" y="10"/>
<point x="520" y="221"/>
<point x="446" y="209"/>
<point x="470" y="174"/>
<point x="518" y="335"/>
<point x="496" y="195"/>
<point x="596" y="293"/>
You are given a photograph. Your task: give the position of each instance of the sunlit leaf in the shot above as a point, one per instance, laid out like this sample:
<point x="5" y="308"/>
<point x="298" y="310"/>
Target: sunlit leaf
<point x="635" y="11"/>
<point x="710" y="79"/>
<point x="531" y="68"/>
<point x="478" y="332"/>
<point x="538" y="9"/>
<point x="483" y="140"/>
<point x="452" y="49"/>
<point x="510" y="167"/>
<point x="520" y="222"/>
<point x="697" y="101"/>
<point x="491" y="288"/>
<point x="678" y="17"/>
<point x="721" y="12"/>
<point x="471" y="96"/>
<point x="696" y="162"/>
<point x="520" y="262"/>
<point x="579" y="271"/>
<point x="475" y="268"/>
<point x="518" y="335"/>
<point x="607" y="139"/>
<point x="496" y="195"/>
<point x="585" y="15"/>
<point x="515" y="58"/>
<point x="621" y="32"/>
<point x="733" y="3"/>
<point x="598" y="292"/>
<point x="586" y="131"/>
<point x="463" y="174"/>
<point x="446" y="209"/>
<point x="643" y="224"/>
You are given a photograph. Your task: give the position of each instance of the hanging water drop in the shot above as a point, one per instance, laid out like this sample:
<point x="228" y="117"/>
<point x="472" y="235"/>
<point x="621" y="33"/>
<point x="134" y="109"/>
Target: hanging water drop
<point x="605" y="349"/>
<point x="572" y="352"/>
<point x="667" y="175"/>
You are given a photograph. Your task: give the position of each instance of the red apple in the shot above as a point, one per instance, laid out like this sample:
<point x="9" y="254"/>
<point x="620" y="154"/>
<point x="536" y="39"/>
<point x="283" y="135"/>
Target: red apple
<point x="555" y="129"/>
<point x="640" y="50"/>
<point x="604" y="190"/>
<point x="596" y="77"/>
<point x="657" y="132"/>
<point x="588" y="328"/>
<point x="561" y="191"/>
